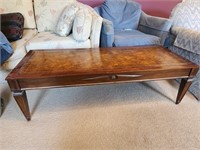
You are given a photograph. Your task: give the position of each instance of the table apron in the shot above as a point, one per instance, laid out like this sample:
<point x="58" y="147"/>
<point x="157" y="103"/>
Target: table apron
<point x="63" y="81"/>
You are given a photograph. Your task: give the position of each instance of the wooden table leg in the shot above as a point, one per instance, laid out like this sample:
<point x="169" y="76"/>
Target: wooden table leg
<point x="184" y="86"/>
<point x="21" y="99"/>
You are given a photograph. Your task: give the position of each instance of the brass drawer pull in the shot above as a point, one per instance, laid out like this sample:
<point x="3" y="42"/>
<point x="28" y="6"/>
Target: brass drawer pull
<point x="129" y="76"/>
<point x="112" y="77"/>
<point x="94" y="78"/>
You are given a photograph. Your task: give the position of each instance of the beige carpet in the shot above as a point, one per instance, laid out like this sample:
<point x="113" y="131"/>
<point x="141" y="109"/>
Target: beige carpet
<point x="134" y="116"/>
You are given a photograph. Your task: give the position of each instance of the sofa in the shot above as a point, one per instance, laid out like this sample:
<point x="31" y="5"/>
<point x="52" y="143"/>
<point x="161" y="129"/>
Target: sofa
<point x="125" y="24"/>
<point x="185" y="36"/>
<point x="41" y="19"/>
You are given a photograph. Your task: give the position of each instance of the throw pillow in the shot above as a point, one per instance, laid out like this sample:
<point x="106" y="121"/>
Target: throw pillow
<point x="65" y="22"/>
<point x="124" y="14"/>
<point x="5" y="47"/>
<point x="12" y="25"/>
<point x="82" y="25"/>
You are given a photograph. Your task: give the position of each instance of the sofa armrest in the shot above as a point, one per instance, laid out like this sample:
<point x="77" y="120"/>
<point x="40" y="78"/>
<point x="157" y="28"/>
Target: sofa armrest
<point x="107" y="33"/>
<point x="95" y="31"/>
<point x="155" y="26"/>
<point x="187" y="39"/>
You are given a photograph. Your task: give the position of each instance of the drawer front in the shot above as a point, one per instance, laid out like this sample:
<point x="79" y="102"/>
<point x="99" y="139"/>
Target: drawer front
<point x="101" y="79"/>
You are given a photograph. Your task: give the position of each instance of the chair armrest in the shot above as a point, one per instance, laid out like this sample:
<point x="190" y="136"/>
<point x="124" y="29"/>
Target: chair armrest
<point x="172" y="36"/>
<point x="155" y="26"/>
<point x="187" y="39"/>
<point x="157" y="23"/>
<point x="107" y="33"/>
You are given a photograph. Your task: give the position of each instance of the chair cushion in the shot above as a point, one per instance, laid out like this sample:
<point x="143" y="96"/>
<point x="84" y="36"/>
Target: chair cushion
<point x="48" y="40"/>
<point x="134" y="38"/>
<point x="25" y="7"/>
<point x="124" y="14"/>
<point x="82" y="25"/>
<point x="66" y="19"/>
<point x="12" y="25"/>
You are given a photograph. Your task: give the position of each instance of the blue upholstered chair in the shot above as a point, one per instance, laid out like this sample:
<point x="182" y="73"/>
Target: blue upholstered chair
<point x="5" y="52"/>
<point x="185" y="36"/>
<point x="5" y="48"/>
<point x="125" y="24"/>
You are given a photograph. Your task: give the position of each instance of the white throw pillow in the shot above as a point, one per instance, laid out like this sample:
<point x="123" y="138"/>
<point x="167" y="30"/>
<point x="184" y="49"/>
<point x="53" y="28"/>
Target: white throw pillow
<point x="82" y="25"/>
<point x="65" y="22"/>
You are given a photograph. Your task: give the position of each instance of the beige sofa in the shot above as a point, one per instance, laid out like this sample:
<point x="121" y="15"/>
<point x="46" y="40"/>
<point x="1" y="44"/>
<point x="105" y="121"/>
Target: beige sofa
<point x="41" y="17"/>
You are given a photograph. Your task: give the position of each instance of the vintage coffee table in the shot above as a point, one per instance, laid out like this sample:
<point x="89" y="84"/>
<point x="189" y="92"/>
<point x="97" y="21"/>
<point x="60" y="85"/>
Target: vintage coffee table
<point x="78" y="67"/>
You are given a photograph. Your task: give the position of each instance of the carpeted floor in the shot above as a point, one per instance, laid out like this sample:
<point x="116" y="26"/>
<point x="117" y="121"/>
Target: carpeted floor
<point x="133" y="116"/>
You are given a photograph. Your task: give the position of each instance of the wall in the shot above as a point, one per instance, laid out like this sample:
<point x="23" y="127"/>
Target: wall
<point x="161" y="8"/>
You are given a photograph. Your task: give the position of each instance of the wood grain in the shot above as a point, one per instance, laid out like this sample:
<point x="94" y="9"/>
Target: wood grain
<point x="50" y="63"/>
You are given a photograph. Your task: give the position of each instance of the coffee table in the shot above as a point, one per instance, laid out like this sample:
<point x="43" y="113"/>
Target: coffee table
<point x="78" y="67"/>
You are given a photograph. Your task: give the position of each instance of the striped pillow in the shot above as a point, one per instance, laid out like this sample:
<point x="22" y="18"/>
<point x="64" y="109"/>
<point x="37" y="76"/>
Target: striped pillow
<point x="12" y="25"/>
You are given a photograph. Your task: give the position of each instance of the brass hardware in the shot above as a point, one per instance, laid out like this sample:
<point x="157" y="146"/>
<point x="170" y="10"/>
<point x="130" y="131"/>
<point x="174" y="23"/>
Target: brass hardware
<point x="113" y="77"/>
<point x="129" y="76"/>
<point x="94" y="78"/>
<point x="18" y="93"/>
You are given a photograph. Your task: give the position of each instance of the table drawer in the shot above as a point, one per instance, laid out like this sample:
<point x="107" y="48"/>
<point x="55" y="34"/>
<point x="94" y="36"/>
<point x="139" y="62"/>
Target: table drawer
<point x="101" y="79"/>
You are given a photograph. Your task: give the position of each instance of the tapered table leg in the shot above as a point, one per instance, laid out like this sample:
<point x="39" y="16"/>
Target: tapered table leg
<point x="184" y="86"/>
<point x="21" y="99"/>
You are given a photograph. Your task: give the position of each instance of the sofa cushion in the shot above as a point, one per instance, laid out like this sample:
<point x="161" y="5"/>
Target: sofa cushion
<point x="134" y="38"/>
<point x="19" y="49"/>
<point x="47" y="13"/>
<point x="66" y="19"/>
<point x="82" y="25"/>
<point x="25" y="7"/>
<point x="48" y="40"/>
<point x="123" y="14"/>
<point x="12" y="25"/>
